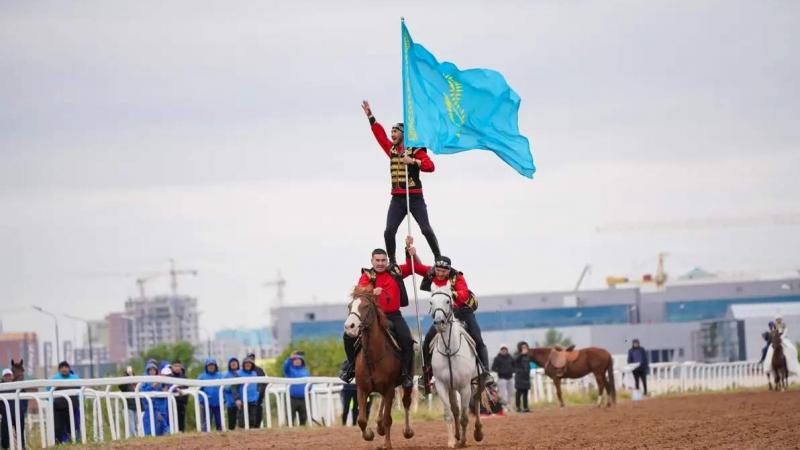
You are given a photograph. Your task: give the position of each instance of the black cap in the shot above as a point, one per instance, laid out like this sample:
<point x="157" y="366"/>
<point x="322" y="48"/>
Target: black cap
<point x="443" y="262"/>
<point x="398" y="126"/>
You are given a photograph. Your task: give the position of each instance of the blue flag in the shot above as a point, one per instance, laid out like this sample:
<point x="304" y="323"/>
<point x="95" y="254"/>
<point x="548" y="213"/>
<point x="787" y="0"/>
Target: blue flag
<point x="449" y="110"/>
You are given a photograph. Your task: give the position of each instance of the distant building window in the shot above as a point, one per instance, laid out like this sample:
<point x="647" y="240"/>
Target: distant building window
<point x="311" y="316"/>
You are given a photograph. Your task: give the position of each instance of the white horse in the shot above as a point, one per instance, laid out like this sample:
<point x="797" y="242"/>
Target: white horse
<point x="454" y="365"/>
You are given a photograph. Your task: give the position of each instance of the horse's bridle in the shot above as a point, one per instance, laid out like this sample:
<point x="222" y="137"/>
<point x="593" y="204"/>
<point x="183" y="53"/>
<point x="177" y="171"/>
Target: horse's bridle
<point x="363" y="324"/>
<point x="448" y="316"/>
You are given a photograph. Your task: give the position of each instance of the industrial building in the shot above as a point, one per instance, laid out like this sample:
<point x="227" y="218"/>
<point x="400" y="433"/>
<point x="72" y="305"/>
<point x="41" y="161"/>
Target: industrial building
<point x="697" y="318"/>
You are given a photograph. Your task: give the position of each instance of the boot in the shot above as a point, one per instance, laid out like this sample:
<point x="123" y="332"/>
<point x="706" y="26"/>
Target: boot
<point x="425" y="379"/>
<point x="348" y="370"/>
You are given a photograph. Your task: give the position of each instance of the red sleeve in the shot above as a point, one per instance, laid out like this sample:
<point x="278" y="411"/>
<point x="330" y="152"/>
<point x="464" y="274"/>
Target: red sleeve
<point x="363" y="281"/>
<point x="425" y="161"/>
<point x="419" y="268"/>
<point x="462" y="291"/>
<point x="380" y="136"/>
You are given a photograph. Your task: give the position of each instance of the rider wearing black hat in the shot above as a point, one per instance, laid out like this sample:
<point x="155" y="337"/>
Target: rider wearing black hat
<point x="442" y="274"/>
<point x="402" y="160"/>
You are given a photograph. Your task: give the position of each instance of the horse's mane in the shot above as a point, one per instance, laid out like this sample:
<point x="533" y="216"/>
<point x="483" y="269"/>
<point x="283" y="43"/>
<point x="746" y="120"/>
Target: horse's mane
<point x="365" y="293"/>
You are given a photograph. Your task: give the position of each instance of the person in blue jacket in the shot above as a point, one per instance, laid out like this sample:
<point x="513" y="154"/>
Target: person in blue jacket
<point x="211" y="372"/>
<point x="160" y="408"/>
<point x="637" y="354"/>
<point x="61" y="410"/>
<point x="250" y="403"/>
<point x="295" y="367"/>
<point x="233" y="401"/>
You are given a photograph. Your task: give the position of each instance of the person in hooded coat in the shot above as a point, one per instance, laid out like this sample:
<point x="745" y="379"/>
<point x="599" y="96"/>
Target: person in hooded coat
<point x="262" y="389"/>
<point x="233" y="399"/>
<point x="160" y="408"/>
<point x="61" y="411"/>
<point x="249" y="394"/>
<point x="211" y="372"/>
<point x="503" y="365"/>
<point x="295" y="367"/>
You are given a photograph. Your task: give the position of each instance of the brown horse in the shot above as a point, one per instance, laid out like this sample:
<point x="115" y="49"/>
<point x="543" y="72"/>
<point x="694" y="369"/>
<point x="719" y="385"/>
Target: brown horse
<point x="377" y="365"/>
<point x="780" y="370"/>
<point x="561" y="363"/>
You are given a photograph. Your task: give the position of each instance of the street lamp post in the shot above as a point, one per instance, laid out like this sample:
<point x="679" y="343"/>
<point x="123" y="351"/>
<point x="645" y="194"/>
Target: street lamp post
<point x="89" y="336"/>
<point x="55" y="319"/>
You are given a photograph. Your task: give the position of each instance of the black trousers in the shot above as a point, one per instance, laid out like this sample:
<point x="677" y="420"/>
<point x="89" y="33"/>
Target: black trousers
<point x="521" y="399"/>
<point x="233" y="415"/>
<point x="249" y="409"/>
<point x="181" y="406"/>
<point x="640" y="375"/>
<point x="466" y="315"/>
<point x="397" y="212"/>
<point x="404" y="339"/>
<point x="299" y="408"/>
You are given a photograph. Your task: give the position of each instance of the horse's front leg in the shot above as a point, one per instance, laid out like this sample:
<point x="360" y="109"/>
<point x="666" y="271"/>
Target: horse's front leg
<point x="408" y="432"/>
<point x="379" y="425"/>
<point x="449" y="420"/>
<point x="466" y="395"/>
<point x="451" y="396"/>
<point x="557" y="382"/>
<point x="366" y="433"/>
<point x="388" y="400"/>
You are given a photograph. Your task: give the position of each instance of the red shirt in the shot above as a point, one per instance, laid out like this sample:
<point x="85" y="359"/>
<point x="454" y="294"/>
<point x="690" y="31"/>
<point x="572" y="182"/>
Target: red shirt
<point x="389" y="300"/>
<point x="425" y="162"/>
<point x="460" y="288"/>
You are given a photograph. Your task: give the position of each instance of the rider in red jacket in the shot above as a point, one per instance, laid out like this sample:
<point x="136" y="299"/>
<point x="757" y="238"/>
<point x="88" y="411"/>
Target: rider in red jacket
<point x="386" y="280"/>
<point x="442" y="274"/>
<point x="401" y="159"/>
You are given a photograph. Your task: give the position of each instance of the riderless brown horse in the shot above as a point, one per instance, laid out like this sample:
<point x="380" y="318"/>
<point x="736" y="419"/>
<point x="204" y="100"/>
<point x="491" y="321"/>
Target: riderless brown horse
<point x="561" y="363"/>
<point x="377" y="365"/>
<point x="780" y="370"/>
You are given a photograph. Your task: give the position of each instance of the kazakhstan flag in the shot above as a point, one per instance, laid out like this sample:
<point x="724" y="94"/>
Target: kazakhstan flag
<point x="449" y="110"/>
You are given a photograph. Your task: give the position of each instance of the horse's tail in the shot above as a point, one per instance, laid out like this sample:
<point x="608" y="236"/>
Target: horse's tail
<point x="612" y="386"/>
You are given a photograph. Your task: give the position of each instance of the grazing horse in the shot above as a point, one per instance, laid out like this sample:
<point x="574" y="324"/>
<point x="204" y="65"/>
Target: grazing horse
<point x="455" y="369"/>
<point x="778" y="366"/>
<point x="377" y="365"/>
<point x="561" y="363"/>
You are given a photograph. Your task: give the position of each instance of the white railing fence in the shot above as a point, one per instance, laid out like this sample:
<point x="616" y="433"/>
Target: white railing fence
<point x="321" y="396"/>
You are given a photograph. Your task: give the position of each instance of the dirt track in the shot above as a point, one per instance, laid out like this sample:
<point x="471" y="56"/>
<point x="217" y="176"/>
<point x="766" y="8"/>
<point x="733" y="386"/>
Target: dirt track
<point x="727" y="421"/>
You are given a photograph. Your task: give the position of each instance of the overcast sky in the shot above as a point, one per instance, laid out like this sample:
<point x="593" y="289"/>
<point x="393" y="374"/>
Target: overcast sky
<point x="228" y="135"/>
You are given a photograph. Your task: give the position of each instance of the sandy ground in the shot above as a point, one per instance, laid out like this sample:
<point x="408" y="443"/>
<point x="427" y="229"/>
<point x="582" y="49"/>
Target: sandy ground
<point x="755" y="420"/>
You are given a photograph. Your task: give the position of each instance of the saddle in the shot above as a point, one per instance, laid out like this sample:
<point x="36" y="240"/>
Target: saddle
<point x="560" y="357"/>
<point x="463" y="332"/>
<point x="390" y="333"/>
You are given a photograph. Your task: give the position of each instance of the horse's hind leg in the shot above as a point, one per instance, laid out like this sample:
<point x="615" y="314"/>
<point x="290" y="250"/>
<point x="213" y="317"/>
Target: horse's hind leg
<point x="601" y="388"/>
<point x="408" y="432"/>
<point x="478" y="435"/>
<point x="366" y="433"/>
<point x="557" y="382"/>
<point x="379" y="425"/>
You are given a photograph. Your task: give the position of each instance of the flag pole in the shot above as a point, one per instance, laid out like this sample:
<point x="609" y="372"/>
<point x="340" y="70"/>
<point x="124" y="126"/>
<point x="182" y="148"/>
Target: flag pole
<point x="408" y="194"/>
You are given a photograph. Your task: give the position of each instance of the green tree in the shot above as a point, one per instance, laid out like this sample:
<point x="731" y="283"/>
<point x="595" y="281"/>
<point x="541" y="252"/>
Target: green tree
<point x="554" y="337"/>
<point x="323" y="357"/>
<point x="182" y="351"/>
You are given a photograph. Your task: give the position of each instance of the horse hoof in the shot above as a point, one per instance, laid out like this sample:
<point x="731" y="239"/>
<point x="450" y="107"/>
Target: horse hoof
<point x="478" y="435"/>
<point x="408" y="434"/>
<point x="368" y="435"/>
<point x="381" y="431"/>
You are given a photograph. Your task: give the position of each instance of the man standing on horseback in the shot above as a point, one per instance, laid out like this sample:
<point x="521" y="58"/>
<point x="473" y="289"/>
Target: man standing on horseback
<point x="442" y="274"/>
<point x="414" y="160"/>
<point x="386" y="281"/>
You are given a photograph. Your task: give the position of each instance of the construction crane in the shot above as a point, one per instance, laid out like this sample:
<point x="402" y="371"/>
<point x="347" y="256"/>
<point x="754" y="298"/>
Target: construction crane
<point x="173" y="273"/>
<point x="659" y="280"/>
<point x="280" y="283"/>
<point x="586" y="269"/>
<point x="141" y="281"/>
